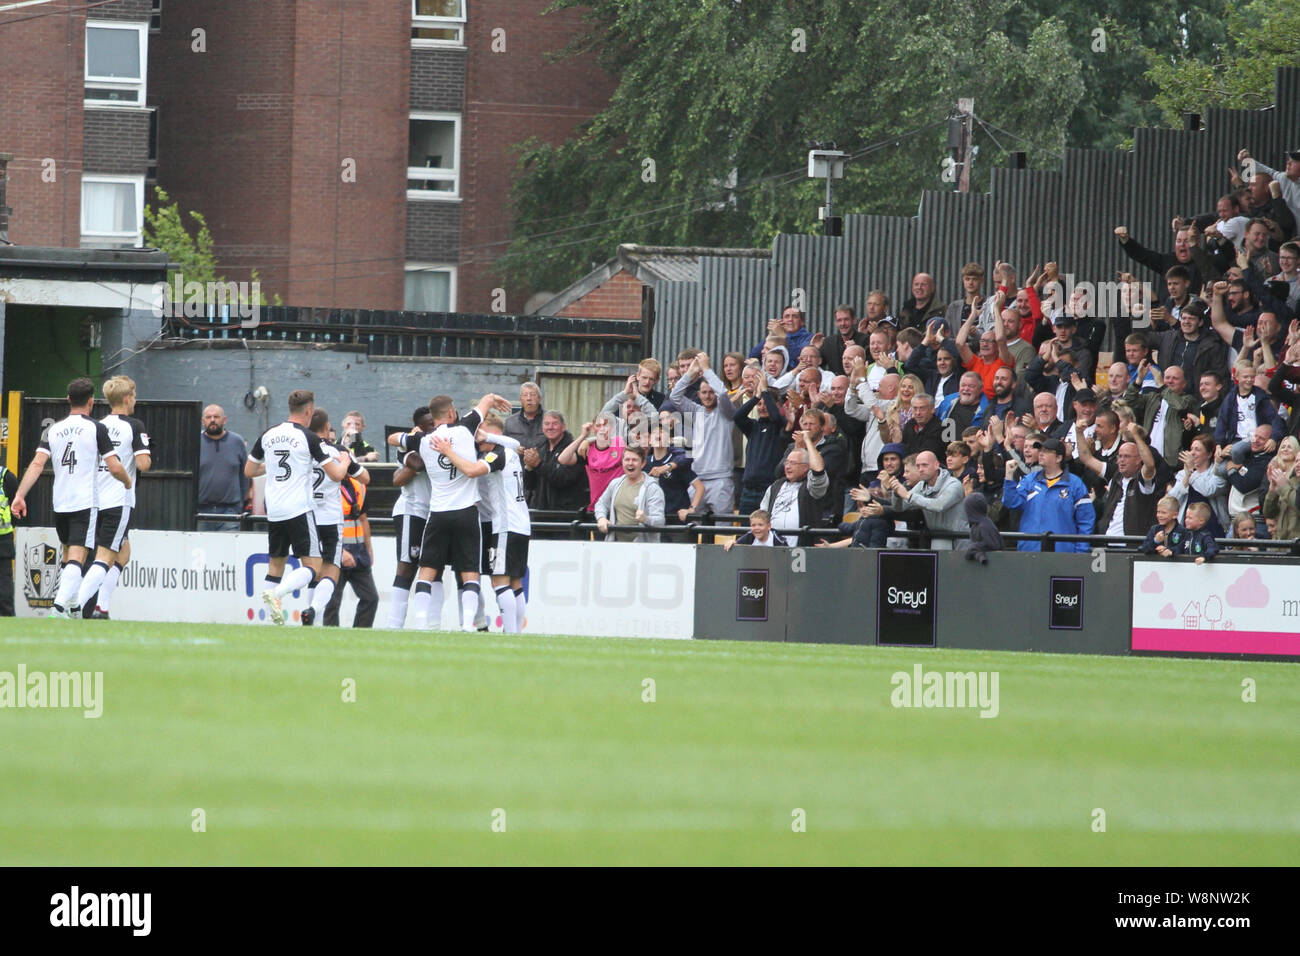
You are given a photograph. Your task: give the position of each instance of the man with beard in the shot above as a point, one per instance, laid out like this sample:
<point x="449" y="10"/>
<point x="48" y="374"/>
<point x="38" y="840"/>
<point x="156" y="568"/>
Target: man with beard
<point x="223" y="489"/>
<point x="846" y="334"/>
<point x="1193" y="345"/>
<point x="967" y="408"/>
<point x="1010" y="396"/>
<point x="1185" y="254"/>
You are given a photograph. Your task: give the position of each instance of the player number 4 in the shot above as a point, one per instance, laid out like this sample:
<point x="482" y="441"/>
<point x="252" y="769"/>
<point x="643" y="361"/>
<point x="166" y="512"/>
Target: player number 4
<point x="69" y="459"/>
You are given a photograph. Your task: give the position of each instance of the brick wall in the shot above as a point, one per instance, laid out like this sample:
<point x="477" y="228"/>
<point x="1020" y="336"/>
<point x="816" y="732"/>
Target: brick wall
<point x="438" y="80"/>
<point x="41" y="104"/>
<point x="510" y="96"/>
<point x="125" y="10"/>
<point x="116" y="141"/>
<point x="433" y="233"/>
<point x="255" y="132"/>
<point x="617" y="298"/>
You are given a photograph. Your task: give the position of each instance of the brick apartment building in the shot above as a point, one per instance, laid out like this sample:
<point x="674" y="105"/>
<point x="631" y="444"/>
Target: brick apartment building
<point x="357" y="153"/>
<point x="76" y="120"/>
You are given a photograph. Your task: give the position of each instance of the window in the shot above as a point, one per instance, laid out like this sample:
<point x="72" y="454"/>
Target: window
<point x="116" y="61"/>
<point x="433" y="159"/>
<point x="155" y="16"/>
<point x="151" y="170"/>
<point x="430" y="288"/>
<point x="437" y="23"/>
<point x="112" y="211"/>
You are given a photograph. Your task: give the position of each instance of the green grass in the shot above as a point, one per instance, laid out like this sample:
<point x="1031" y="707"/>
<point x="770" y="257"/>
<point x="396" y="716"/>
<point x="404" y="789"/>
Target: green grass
<point x="248" y="724"/>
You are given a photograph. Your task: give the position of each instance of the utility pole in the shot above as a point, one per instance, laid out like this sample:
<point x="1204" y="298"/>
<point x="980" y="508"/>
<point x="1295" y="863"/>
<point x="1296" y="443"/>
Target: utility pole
<point x="966" y="118"/>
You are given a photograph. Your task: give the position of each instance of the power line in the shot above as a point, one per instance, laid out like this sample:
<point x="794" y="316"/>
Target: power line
<point x="1028" y="142"/>
<point x="54" y="13"/>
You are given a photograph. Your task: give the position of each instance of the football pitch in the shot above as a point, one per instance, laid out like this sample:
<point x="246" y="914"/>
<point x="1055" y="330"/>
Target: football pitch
<point x="238" y="745"/>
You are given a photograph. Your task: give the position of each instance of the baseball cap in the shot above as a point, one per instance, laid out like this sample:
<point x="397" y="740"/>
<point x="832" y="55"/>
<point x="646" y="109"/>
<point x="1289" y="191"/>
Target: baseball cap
<point x="1054" y="444"/>
<point x="1085" y="395"/>
<point x="1294" y="155"/>
<point x="1062" y="319"/>
<point x="887" y="320"/>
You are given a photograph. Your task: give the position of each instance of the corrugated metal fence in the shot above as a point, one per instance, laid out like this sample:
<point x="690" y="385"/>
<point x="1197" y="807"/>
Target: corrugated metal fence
<point x="167" y="492"/>
<point x="1028" y="217"/>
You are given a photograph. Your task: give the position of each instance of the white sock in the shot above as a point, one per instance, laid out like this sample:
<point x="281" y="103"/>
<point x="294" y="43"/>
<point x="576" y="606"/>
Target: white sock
<point x="435" y="604"/>
<point x="521" y="605"/>
<point x="397" y="601"/>
<point x="90" y="582"/>
<point x="69" y="582"/>
<point x="420" y="605"/>
<point x="480" y="610"/>
<point x="106" y="589"/>
<point x="295" y="580"/>
<point x="506" y="601"/>
<point x="324" y="591"/>
<point x="469" y="596"/>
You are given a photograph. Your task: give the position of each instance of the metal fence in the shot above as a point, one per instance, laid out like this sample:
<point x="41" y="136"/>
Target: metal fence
<point x="429" y="334"/>
<point x="167" y="493"/>
<point x="1027" y="217"/>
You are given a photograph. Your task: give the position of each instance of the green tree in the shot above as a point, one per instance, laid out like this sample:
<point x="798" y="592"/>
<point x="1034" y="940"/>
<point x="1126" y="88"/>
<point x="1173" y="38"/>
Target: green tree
<point x="190" y="256"/>
<point x="1113" y="41"/>
<point x="1240" y="72"/>
<point x="704" y="141"/>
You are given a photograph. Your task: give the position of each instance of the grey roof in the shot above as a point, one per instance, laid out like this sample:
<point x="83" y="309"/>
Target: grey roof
<point x="649" y="264"/>
<point x="55" y="262"/>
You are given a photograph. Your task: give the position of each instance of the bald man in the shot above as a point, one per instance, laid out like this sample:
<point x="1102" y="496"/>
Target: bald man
<point x="922" y="305"/>
<point x="223" y="489"/>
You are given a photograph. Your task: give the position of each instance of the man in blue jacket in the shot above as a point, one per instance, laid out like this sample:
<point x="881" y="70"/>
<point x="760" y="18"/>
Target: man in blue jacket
<point x="1052" y="499"/>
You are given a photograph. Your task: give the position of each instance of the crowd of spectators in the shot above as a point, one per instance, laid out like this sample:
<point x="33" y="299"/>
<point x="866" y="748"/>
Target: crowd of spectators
<point x="998" y="404"/>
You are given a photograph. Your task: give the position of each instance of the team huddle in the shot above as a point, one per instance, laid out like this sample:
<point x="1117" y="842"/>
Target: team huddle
<point x="96" y="464"/>
<point x="461" y="505"/>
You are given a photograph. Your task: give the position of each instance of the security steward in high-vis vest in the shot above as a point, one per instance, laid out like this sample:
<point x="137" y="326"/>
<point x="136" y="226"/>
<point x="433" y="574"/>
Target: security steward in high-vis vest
<point x="8" y="488"/>
<point x="358" y="557"/>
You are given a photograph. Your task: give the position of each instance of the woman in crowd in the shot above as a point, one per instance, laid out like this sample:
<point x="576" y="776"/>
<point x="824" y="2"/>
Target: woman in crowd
<point x="602" y="451"/>
<point x="1282" y="503"/>
<point x="1198" y="482"/>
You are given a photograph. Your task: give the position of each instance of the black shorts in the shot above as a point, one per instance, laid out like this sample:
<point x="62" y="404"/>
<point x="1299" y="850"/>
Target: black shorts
<point x="111" y="526"/>
<point x="452" y="537"/>
<point x="410" y="535"/>
<point x="331" y="543"/>
<point x="505" y="553"/>
<point x="298" y="533"/>
<point x="76" y="529"/>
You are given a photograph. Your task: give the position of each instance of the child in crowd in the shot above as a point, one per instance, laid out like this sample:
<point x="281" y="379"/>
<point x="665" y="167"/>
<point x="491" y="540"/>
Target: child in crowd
<point x="1166" y="537"/>
<point x="1199" y="541"/>
<point x="760" y="533"/>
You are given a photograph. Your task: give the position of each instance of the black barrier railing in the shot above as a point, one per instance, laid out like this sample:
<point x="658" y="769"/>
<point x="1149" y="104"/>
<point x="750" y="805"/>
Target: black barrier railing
<point x="579" y="526"/>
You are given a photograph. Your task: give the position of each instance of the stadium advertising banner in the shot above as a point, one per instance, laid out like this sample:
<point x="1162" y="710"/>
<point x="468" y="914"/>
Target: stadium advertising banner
<point x="573" y="587"/>
<point x="907" y="586"/>
<point x="1216" y="608"/>
<point x="607" y="588"/>
<point x="1065" y="611"/>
